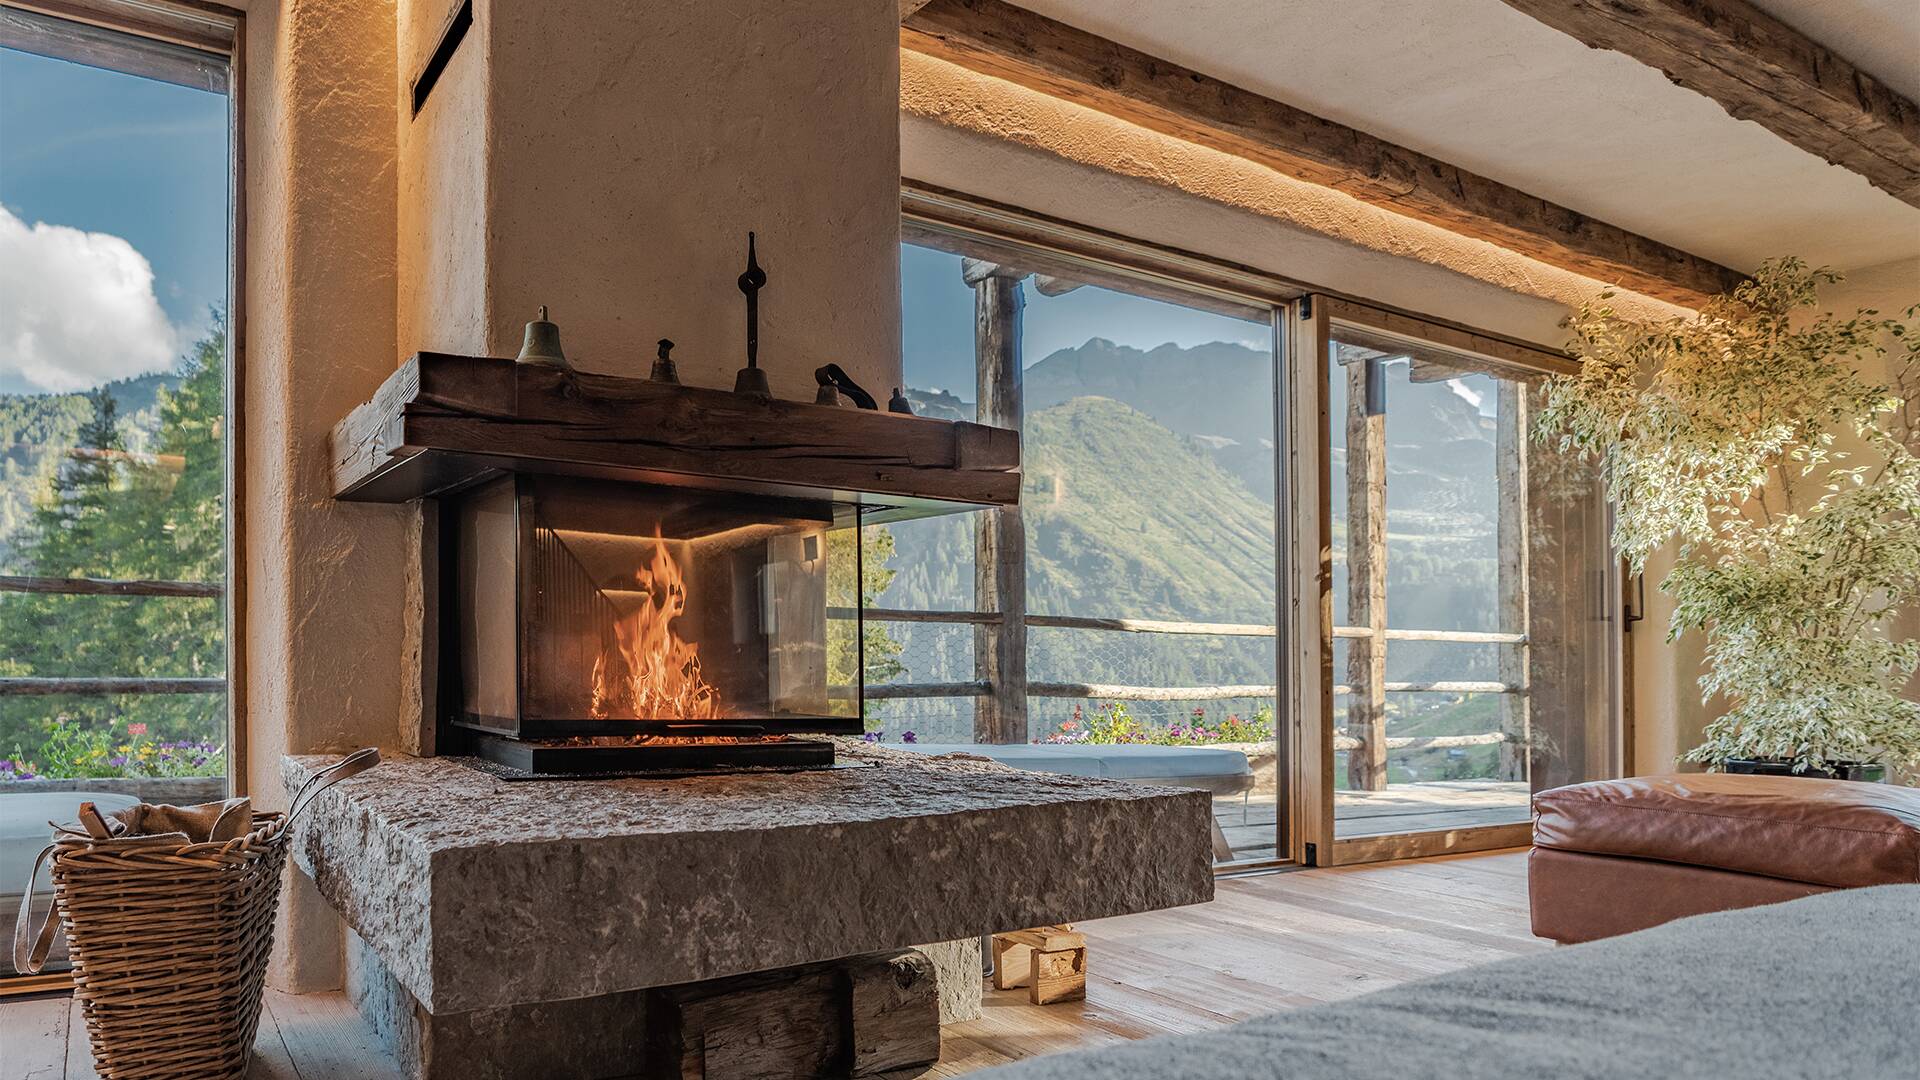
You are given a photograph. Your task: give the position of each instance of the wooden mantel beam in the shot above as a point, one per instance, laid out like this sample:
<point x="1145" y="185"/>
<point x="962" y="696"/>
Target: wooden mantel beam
<point x="1759" y="68"/>
<point x="996" y="38"/>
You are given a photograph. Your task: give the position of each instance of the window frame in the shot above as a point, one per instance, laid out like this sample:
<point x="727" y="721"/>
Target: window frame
<point x="1323" y="315"/>
<point x="218" y="30"/>
<point x="1304" y="316"/>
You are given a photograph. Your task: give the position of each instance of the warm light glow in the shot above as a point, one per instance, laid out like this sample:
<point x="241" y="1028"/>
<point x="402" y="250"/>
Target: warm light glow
<point x="652" y="673"/>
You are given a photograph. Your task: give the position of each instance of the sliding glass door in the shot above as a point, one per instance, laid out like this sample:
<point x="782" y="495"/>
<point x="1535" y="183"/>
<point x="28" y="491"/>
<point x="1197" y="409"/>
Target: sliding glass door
<point x="1300" y="553"/>
<point x="1121" y="621"/>
<point x="1471" y="646"/>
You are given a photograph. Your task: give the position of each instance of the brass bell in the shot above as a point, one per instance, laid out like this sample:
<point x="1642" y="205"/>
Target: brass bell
<point x="542" y="344"/>
<point x="663" y="367"/>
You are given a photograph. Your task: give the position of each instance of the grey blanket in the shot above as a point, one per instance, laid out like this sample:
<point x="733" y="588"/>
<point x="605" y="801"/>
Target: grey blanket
<point x="1826" y="987"/>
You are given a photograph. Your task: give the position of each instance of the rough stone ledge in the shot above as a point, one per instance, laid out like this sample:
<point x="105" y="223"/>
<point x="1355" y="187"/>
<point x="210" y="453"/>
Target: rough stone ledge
<point x="478" y="892"/>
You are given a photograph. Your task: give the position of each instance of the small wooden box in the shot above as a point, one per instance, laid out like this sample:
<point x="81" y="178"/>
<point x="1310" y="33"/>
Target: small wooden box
<point x="1050" y="961"/>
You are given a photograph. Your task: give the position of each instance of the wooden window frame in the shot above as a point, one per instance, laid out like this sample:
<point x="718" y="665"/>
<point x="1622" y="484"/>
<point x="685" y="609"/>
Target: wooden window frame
<point x="1317" y="841"/>
<point x="1303" y="320"/>
<point x="221" y="31"/>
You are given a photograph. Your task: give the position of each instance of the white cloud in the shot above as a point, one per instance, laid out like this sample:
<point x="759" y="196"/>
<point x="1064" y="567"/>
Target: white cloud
<point x="76" y="309"/>
<point x="1467" y="393"/>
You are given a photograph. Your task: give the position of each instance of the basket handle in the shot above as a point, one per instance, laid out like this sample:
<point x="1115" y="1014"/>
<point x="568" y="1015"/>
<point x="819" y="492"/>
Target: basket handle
<point x="29" y="959"/>
<point x="352" y="765"/>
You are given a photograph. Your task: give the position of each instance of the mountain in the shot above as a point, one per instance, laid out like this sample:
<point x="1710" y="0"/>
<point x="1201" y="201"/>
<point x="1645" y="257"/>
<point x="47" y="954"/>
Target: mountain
<point x="1130" y="518"/>
<point x="1148" y="488"/>
<point x="1125" y="518"/>
<point x="1220" y="392"/>
<point x="36" y="428"/>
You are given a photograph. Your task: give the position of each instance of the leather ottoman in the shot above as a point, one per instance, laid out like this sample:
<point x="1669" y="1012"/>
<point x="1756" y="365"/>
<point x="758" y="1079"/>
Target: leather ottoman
<point x="1614" y="856"/>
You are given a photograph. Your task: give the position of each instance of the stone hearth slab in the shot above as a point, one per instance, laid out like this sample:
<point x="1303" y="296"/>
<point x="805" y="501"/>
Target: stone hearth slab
<point x="477" y="892"/>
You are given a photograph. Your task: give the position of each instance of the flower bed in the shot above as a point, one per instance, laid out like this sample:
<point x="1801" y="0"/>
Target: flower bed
<point x="1112" y="723"/>
<point x="74" y="751"/>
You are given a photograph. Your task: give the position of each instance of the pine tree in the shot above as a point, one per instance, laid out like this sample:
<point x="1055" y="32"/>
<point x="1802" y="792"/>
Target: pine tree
<point x="108" y="513"/>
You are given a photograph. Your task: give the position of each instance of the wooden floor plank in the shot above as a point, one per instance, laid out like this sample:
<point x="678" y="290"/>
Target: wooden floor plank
<point x="79" y="1050"/>
<point x="33" y="1043"/>
<point x="1267" y="942"/>
<point x="325" y="1036"/>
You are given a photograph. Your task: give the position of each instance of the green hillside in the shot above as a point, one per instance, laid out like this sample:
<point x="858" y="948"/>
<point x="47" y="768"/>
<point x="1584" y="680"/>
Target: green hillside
<point x="1128" y="518"/>
<point x="36" y="429"/>
<point x="1124" y="519"/>
<point x="1147" y="495"/>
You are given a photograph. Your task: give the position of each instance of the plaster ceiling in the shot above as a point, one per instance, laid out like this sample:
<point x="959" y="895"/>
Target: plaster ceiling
<point x="1476" y="83"/>
<point x="1880" y="37"/>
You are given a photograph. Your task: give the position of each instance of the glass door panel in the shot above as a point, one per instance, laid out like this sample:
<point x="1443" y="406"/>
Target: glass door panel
<point x="1121" y="621"/>
<point x="1474" y="634"/>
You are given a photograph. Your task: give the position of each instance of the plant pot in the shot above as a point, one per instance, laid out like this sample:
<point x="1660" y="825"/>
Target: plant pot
<point x="1865" y="772"/>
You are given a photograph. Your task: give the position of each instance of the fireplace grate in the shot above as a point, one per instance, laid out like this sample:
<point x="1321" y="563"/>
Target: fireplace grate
<point x="538" y="758"/>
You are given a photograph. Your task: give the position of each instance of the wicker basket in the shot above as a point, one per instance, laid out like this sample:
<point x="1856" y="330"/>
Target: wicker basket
<point x="169" y="942"/>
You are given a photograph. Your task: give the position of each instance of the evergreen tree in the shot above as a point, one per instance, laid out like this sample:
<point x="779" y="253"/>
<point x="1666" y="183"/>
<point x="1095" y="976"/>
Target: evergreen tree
<point x="109" y="513"/>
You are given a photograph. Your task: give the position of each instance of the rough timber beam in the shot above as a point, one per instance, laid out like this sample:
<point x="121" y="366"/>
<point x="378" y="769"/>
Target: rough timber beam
<point x="999" y="39"/>
<point x="1759" y="68"/>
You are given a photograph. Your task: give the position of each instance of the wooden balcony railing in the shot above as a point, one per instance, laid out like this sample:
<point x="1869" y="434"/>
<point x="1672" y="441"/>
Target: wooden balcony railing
<point x="40" y="686"/>
<point x="1342" y="739"/>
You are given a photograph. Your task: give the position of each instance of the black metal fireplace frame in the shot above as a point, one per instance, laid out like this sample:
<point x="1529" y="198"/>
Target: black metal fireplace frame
<point x="542" y="745"/>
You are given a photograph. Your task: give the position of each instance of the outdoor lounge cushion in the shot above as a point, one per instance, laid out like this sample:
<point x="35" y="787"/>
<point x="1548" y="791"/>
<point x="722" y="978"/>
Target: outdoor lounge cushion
<point x="1838" y="833"/>
<point x="24" y="830"/>
<point x="1814" y="988"/>
<point x="1116" y="761"/>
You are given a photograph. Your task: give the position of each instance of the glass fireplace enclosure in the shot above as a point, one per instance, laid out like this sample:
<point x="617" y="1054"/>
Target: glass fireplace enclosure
<point x="620" y="614"/>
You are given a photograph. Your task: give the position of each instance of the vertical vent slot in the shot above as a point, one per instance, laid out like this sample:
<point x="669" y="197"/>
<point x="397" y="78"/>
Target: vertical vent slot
<point x="443" y="51"/>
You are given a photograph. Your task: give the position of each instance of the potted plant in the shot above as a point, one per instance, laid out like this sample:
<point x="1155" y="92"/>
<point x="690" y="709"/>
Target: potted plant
<point x="1788" y="483"/>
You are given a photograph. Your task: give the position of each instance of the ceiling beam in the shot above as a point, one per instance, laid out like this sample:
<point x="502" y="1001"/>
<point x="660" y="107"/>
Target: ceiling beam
<point x="1012" y="43"/>
<point x="1759" y="68"/>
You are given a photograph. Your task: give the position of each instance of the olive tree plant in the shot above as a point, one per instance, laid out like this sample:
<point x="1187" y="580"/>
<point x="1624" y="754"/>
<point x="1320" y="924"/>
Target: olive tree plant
<point x="1788" y="483"/>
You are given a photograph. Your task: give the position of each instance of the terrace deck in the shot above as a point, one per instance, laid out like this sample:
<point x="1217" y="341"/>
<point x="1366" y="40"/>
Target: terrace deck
<point x="1426" y="806"/>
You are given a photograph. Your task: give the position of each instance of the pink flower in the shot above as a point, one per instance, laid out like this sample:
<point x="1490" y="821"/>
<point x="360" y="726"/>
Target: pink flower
<point x="136" y="729"/>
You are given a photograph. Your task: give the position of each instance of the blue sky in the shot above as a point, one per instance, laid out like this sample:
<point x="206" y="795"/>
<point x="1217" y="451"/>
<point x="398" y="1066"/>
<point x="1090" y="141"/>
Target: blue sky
<point x="937" y="322"/>
<point x="99" y="152"/>
<point x="92" y="153"/>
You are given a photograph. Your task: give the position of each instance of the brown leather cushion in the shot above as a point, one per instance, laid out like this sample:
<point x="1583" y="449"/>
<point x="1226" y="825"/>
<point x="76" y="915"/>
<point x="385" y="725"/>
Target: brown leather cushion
<point x="1580" y="897"/>
<point x="1827" y="832"/>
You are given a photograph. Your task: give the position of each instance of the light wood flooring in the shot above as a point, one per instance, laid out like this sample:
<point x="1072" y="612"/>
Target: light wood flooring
<point x="1266" y="942"/>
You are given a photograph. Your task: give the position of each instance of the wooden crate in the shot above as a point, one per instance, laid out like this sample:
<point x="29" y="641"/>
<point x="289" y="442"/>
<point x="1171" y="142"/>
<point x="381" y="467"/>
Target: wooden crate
<point x="1050" y="961"/>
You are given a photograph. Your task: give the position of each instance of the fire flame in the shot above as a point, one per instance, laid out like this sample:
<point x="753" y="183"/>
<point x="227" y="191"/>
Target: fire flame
<point x="652" y="673"/>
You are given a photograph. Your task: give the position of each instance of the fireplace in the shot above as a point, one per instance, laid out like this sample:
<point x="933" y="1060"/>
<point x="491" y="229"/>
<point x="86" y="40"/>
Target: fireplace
<point x="607" y="626"/>
<point x="635" y="576"/>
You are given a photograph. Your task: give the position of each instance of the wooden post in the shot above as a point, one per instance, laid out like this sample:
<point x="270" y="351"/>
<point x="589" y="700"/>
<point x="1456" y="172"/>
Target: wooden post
<point x="1367" y="572"/>
<point x="1000" y="539"/>
<point x="1510" y="468"/>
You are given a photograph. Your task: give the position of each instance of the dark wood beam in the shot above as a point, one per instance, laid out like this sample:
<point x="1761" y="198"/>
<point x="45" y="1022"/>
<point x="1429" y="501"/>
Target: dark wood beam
<point x="1008" y="42"/>
<point x="441" y="422"/>
<point x="1759" y="68"/>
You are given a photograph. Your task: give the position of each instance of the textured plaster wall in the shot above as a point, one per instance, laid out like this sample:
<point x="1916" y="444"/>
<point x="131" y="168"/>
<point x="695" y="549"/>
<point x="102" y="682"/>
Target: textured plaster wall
<point x="322" y="634"/>
<point x="994" y="139"/>
<point x="630" y="147"/>
<point x="1669" y="714"/>
<point x="607" y="160"/>
<point x="442" y="188"/>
